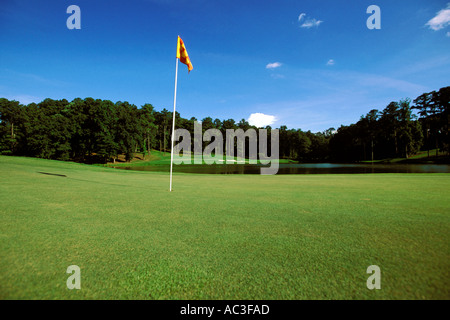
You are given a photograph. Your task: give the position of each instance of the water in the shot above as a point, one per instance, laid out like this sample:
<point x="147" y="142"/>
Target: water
<point x="303" y="168"/>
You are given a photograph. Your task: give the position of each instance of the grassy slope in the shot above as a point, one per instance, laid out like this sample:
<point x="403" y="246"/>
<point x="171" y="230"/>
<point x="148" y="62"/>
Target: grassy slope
<point x="220" y="236"/>
<point x="421" y="155"/>
<point x="163" y="158"/>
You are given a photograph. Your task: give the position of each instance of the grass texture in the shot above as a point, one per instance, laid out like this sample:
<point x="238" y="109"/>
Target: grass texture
<point x="219" y="236"/>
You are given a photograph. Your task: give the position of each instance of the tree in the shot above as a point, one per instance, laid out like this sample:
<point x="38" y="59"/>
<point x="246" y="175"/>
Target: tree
<point x="422" y="104"/>
<point x="343" y="144"/>
<point x="228" y="124"/>
<point x="10" y="116"/>
<point x="243" y="124"/>
<point x="128" y="128"/>
<point x="433" y="110"/>
<point x="303" y="145"/>
<point x="410" y="131"/>
<point x="106" y="121"/>
<point x="370" y="129"/>
<point x="389" y="136"/>
<point x="163" y="121"/>
<point x="284" y="143"/>
<point x="149" y="127"/>
<point x="444" y="106"/>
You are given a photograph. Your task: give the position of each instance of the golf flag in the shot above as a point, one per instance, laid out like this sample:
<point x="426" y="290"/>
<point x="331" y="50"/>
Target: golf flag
<point x="183" y="55"/>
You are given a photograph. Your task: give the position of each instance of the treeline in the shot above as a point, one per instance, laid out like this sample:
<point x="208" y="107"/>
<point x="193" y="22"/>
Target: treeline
<point x="395" y="132"/>
<point x="92" y="130"/>
<point x="95" y="130"/>
<point x="77" y="130"/>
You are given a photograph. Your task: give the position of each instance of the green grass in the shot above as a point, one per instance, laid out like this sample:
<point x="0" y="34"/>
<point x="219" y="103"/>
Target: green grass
<point x="220" y="236"/>
<point x="421" y="155"/>
<point x="163" y="158"/>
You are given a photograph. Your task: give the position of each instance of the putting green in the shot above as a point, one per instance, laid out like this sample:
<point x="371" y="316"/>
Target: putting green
<point x="220" y="236"/>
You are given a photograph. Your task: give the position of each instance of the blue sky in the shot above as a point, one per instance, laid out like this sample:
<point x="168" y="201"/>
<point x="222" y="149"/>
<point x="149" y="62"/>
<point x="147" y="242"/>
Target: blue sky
<point x="249" y="57"/>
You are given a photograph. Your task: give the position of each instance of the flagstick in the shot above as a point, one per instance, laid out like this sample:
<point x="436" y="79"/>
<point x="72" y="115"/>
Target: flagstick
<point x="173" y="123"/>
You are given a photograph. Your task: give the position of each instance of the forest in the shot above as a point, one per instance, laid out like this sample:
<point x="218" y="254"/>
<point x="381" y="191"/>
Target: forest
<point x="98" y="131"/>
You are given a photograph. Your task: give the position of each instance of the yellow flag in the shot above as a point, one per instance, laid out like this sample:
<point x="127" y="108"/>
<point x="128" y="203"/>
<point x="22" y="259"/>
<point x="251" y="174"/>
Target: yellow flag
<point x="183" y="55"/>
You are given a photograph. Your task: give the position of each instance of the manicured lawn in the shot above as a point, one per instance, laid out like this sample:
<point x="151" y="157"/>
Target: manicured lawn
<point x="421" y="155"/>
<point x="220" y="236"/>
<point x="163" y="158"/>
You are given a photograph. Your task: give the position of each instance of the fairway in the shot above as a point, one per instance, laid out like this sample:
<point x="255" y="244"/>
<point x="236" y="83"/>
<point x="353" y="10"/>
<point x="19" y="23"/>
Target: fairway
<point x="220" y="236"/>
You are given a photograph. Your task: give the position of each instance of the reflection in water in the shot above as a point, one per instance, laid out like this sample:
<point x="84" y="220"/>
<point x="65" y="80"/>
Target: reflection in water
<point x="303" y="168"/>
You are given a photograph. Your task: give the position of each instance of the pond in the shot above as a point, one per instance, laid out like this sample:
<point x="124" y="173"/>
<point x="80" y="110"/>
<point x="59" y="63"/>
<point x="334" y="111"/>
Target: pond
<point x="303" y="168"/>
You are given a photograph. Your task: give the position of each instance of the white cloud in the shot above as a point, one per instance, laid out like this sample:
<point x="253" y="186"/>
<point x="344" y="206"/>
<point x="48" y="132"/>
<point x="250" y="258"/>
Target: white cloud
<point x="330" y="62"/>
<point x="448" y="34"/>
<point x="308" y="22"/>
<point x="311" y="23"/>
<point x="273" y="65"/>
<point x="301" y="16"/>
<point x="261" y="120"/>
<point x="441" y="20"/>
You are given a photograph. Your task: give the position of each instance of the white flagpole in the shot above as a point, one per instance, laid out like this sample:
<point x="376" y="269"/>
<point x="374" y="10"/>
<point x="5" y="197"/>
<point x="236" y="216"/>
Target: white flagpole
<point x="173" y="123"/>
